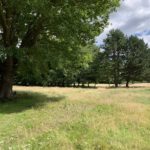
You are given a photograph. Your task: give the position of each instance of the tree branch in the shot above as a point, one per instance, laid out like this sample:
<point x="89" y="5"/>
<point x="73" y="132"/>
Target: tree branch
<point x="32" y="33"/>
<point x="7" y="21"/>
<point x="2" y="16"/>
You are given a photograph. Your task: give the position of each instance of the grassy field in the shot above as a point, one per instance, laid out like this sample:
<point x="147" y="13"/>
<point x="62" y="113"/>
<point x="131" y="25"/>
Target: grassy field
<point x="76" y="119"/>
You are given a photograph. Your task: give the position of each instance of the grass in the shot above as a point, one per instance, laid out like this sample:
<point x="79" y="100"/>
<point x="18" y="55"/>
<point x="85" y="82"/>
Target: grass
<point x="76" y="119"/>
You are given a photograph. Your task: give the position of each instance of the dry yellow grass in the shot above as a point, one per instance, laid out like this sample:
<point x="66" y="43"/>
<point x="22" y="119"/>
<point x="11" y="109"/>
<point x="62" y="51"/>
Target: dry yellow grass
<point x="74" y="118"/>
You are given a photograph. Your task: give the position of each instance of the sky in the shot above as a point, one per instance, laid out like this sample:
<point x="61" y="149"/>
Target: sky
<point x="132" y="17"/>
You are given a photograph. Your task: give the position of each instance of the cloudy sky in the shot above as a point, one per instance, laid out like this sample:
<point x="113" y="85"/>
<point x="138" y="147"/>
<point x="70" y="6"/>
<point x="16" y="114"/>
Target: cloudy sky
<point x="132" y="17"/>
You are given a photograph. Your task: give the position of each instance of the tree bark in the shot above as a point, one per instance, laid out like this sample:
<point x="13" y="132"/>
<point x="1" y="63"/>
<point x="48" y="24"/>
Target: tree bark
<point x="127" y="84"/>
<point x="116" y="85"/>
<point x="6" y="78"/>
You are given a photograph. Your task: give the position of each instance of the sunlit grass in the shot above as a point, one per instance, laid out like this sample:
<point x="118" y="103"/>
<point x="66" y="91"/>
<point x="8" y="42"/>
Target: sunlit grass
<point x="74" y="118"/>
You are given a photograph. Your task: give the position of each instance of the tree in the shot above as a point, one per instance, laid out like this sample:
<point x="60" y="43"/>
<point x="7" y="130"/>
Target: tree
<point x="86" y="71"/>
<point x="134" y="59"/>
<point x="104" y="70"/>
<point x="50" y="24"/>
<point x="98" y="71"/>
<point x="114" y="46"/>
<point x="146" y="73"/>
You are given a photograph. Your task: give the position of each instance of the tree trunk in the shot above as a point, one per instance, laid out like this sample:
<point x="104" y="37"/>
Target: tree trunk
<point x="74" y="84"/>
<point x="95" y="84"/>
<point x="83" y="84"/>
<point x="116" y="84"/>
<point x="127" y="84"/>
<point x="78" y="84"/>
<point x="116" y="78"/>
<point x="6" y="78"/>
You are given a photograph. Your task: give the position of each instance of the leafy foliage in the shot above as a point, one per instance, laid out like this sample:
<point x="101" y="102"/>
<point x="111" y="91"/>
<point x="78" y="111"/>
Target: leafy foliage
<point x="29" y="29"/>
<point x="114" y="46"/>
<point x="125" y="58"/>
<point x="134" y="60"/>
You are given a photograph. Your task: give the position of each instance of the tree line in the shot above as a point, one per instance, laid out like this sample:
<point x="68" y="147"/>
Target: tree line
<point x="121" y="59"/>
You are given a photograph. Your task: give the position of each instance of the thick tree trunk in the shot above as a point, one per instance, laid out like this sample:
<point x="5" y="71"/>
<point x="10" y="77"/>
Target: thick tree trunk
<point x="6" y="79"/>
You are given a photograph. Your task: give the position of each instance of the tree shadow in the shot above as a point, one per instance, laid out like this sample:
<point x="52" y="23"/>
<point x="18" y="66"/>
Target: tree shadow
<point x="85" y="87"/>
<point x="82" y="87"/>
<point x="124" y="87"/>
<point x="27" y="100"/>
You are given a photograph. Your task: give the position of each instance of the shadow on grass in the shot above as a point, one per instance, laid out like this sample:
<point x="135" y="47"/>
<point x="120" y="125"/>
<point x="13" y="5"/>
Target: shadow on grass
<point x="82" y="87"/>
<point x="124" y="87"/>
<point x="27" y="100"/>
<point x="86" y="87"/>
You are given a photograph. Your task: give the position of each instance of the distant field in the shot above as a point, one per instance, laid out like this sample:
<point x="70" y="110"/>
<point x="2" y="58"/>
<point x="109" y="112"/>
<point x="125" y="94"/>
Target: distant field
<point x="102" y="118"/>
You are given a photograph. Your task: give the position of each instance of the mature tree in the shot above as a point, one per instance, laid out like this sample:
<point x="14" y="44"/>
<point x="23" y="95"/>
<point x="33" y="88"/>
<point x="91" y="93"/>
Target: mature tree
<point x="114" y="46"/>
<point x="146" y="73"/>
<point x="135" y="59"/>
<point x="34" y="23"/>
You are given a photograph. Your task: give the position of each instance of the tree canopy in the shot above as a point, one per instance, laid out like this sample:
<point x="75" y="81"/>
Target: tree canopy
<point x="114" y="46"/>
<point x="126" y="58"/>
<point x="33" y="27"/>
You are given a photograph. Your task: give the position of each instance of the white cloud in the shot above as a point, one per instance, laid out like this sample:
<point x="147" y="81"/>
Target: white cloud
<point x="133" y="16"/>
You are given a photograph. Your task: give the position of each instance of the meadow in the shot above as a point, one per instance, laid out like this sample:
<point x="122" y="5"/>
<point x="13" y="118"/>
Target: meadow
<point x="52" y="118"/>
